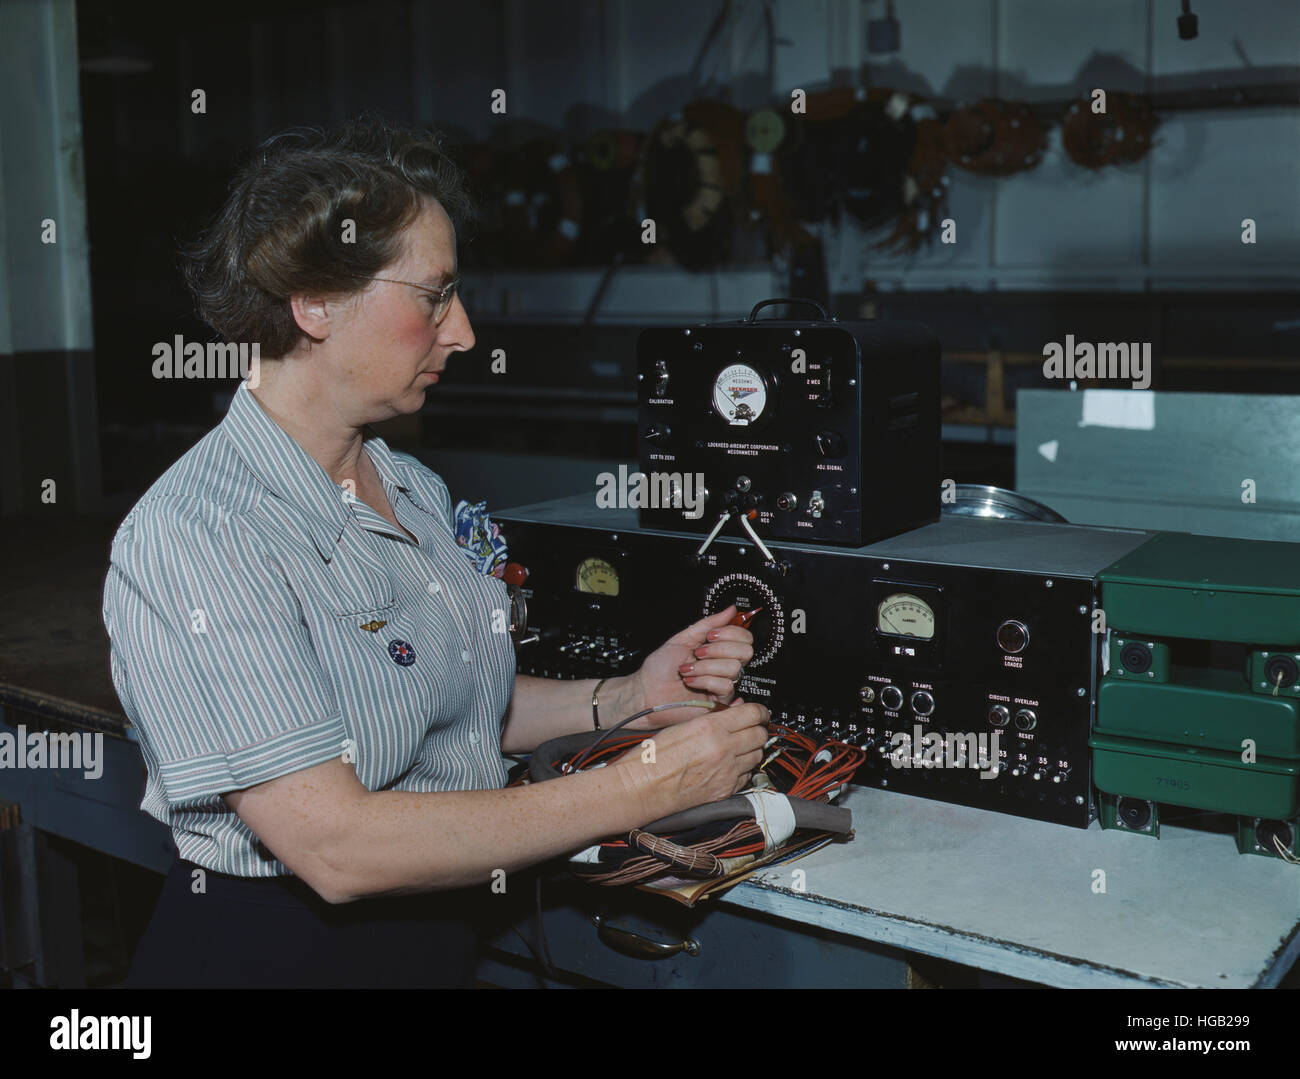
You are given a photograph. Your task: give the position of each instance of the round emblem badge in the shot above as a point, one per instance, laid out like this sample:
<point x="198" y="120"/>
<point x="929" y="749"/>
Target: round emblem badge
<point x="401" y="652"/>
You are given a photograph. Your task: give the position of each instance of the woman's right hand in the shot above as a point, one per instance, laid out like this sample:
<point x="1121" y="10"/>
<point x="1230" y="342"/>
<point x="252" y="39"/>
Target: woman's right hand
<point x="700" y="761"/>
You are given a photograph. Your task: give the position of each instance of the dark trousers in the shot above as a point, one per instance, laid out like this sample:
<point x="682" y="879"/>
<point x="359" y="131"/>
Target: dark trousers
<point x="254" y="933"/>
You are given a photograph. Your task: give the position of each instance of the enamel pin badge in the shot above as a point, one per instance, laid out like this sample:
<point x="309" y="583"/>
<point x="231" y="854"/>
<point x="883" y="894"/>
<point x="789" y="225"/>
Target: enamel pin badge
<point x="401" y="652"/>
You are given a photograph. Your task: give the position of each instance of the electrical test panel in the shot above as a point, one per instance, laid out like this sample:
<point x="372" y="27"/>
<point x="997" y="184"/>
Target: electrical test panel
<point x="965" y="638"/>
<point x="819" y="431"/>
<point x="1048" y="670"/>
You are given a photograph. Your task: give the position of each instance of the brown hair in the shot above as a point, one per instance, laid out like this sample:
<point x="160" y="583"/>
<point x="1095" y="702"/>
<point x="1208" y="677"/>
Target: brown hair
<point x="280" y="231"/>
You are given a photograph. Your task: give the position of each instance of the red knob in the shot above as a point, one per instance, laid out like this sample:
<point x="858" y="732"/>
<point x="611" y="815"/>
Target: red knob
<point x="515" y="574"/>
<point x="743" y="618"/>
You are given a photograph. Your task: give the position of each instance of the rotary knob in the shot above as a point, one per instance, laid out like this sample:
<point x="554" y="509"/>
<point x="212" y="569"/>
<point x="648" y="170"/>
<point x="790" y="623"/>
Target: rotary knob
<point x="830" y="444"/>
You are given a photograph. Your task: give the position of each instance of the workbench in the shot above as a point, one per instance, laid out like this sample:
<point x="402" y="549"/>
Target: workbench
<point x="1014" y="897"/>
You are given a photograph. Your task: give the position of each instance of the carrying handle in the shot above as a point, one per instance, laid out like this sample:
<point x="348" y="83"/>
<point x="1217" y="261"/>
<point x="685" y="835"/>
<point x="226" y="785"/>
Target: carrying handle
<point x="790" y="300"/>
<point x="639" y="947"/>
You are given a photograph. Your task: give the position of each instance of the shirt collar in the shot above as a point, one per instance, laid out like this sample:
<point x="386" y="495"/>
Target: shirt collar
<point x="385" y="464"/>
<point x="293" y="475"/>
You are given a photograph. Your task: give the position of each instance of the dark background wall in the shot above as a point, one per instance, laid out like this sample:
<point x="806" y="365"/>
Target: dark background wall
<point x="1147" y="250"/>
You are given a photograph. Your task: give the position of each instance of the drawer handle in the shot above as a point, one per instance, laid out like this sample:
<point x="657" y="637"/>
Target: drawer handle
<point x="624" y="940"/>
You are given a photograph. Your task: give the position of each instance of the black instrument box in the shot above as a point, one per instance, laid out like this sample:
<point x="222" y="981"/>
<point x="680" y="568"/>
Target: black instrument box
<point x="818" y="431"/>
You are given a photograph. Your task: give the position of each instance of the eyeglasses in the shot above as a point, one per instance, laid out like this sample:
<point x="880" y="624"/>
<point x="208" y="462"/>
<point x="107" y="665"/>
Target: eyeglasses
<point x="442" y="297"/>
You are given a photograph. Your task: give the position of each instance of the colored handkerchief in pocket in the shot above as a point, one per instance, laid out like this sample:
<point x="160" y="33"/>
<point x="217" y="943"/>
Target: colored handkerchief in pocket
<point x="481" y="538"/>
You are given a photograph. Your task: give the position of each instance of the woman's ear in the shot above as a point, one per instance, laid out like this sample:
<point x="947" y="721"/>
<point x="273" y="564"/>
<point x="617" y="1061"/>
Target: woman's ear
<point x="313" y="315"/>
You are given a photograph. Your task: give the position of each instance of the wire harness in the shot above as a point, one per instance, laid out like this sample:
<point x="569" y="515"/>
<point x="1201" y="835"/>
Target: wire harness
<point x="789" y="796"/>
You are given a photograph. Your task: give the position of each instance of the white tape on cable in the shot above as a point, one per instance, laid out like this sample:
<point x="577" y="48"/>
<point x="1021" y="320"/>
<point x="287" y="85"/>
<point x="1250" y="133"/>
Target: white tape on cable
<point x="775" y="815"/>
<point x="590" y="856"/>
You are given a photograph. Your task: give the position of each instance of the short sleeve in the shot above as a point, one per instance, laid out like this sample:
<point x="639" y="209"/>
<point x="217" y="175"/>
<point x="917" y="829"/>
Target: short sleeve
<point x="211" y="654"/>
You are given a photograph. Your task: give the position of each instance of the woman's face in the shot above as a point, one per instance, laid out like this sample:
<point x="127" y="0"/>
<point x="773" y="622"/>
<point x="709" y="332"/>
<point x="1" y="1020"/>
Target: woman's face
<point x="387" y="351"/>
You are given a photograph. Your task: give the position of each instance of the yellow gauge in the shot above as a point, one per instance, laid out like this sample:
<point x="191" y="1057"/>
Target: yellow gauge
<point x="598" y="576"/>
<point x="905" y="615"/>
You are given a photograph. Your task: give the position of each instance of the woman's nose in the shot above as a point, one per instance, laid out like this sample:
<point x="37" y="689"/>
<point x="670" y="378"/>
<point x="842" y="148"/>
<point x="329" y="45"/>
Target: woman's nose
<point x="456" y="329"/>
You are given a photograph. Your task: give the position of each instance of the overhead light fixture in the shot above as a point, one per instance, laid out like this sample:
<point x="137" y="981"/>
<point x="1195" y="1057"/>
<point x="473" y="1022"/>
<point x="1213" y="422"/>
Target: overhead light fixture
<point x="1187" y="22"/>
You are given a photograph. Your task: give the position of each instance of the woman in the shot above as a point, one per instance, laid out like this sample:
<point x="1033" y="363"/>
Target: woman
<point x="308" y="656"/>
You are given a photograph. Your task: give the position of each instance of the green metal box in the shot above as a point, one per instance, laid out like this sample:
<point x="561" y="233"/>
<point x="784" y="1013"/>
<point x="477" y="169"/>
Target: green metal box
<point x="1206" y="588"/>
<point x="1201" y="709"/>
<point x="1198" y="778"/>
<point x="1220" y="740"/>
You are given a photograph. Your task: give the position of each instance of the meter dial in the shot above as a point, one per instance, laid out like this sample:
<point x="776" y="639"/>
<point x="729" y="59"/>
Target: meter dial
<point x="748" y="593"/>
<point x="598" y="576"/>
<point x="905" y="615"/>
<point x="740" y="394"/>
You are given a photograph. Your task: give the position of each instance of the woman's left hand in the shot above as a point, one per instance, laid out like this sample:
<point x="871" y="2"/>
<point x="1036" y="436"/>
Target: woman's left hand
<point x="702" y="662"/>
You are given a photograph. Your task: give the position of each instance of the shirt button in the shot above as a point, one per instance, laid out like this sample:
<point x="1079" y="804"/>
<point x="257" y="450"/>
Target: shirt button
<point x="434" y="588"/>
<point x="473" y="737"/>
<point x="465" y="655"/>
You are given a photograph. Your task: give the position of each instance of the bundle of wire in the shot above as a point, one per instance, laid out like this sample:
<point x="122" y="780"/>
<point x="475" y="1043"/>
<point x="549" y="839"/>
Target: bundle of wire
<point x="789" y="794"/>
<point x="1121" y="135"/>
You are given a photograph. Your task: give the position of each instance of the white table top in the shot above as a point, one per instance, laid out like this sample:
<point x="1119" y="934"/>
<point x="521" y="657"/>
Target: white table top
<point x="1016" y="897"/>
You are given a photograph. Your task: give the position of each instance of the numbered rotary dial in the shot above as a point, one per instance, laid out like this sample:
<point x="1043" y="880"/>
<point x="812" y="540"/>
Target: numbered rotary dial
<point x="905" y="615"/>
<point x="749" y="593"/>
<point x="740" y="394"/>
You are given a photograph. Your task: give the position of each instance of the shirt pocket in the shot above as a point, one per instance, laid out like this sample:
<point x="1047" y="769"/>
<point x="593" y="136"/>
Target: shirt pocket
<point x="359" y="586"/>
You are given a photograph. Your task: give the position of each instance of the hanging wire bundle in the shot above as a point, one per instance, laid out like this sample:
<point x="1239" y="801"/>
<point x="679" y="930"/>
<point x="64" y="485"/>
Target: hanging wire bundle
<point x="1119" y="136"/>
<point x="879" y="156"/>
<point x="995" y="137"/>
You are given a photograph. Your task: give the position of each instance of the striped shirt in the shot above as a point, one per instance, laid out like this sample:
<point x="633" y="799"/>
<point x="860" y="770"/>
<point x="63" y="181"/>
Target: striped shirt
<point x="262" y="621"/>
